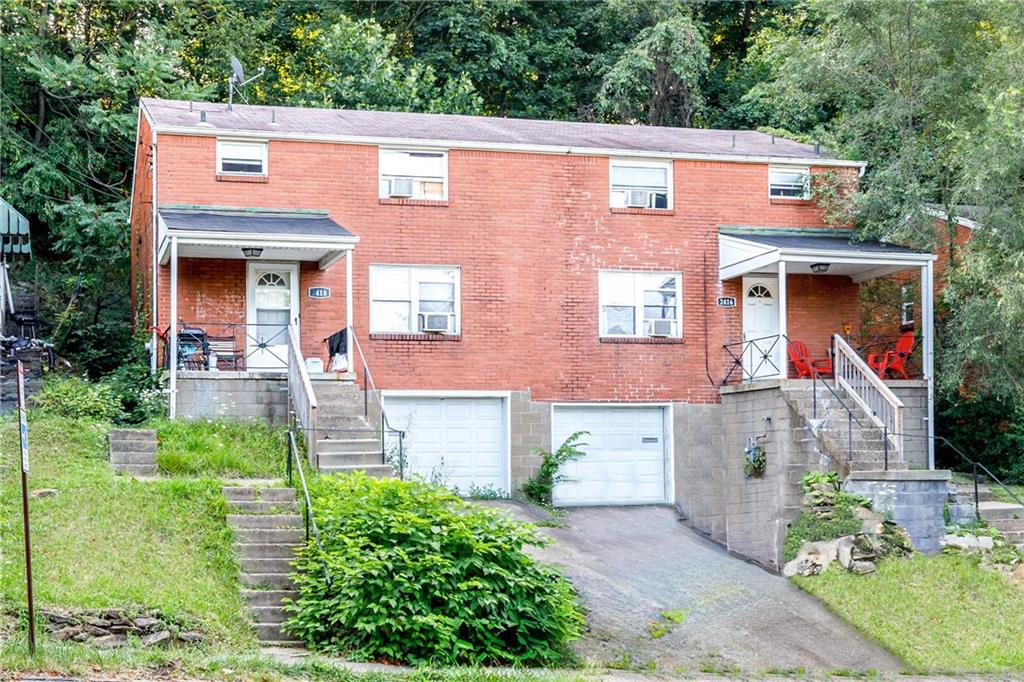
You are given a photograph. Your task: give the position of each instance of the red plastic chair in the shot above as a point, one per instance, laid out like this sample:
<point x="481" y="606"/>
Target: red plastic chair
<point x="893" y="361"/>
<point x="805" y="365"/>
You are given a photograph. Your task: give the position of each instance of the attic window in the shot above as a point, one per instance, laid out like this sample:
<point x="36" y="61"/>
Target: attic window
<point x="241" y="158"/>
<point x="789" y="182"/>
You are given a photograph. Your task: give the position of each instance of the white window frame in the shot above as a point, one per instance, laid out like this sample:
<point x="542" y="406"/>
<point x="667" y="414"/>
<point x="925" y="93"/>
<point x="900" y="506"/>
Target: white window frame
<point x="772" y="183"/>
<point x="382" y="151"/>
<point x="639" y="287"/>
<point x="418" y="274"/>
<point x="640" y="163"/>
<point x="264" y="157"/>
<point x="906" y="304"/>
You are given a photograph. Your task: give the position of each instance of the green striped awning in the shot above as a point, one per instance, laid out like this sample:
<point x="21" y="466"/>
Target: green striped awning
<point x="14" y="231"/>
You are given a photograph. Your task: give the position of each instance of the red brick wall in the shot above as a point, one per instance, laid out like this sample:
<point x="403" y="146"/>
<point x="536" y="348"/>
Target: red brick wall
<point x="530" y="233"/>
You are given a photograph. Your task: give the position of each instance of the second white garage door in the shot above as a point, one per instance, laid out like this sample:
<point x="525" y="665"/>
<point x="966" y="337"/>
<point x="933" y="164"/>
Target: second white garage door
<point x="459" y="442"/>
<point x="626" y="458"/>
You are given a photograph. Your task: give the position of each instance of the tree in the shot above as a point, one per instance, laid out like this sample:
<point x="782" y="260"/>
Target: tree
<point x="657" y="79"/>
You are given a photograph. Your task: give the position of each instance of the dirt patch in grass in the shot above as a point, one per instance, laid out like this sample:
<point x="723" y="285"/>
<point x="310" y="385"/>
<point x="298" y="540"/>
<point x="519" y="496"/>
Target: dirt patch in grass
<point x="938" y="613"/>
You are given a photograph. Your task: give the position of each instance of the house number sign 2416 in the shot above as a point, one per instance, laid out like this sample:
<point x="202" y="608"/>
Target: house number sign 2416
<point x="319" y="292"/>
<point x="726" y="301"/>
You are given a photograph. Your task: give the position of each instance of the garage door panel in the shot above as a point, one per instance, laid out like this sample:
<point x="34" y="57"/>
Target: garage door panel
<point x="460" y="441"/>
<point x="626" y="455"/>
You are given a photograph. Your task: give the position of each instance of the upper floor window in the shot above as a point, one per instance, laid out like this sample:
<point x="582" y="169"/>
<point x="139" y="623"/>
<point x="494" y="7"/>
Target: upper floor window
<point x="409" y="174"/>
<point x="641" y="184"/>
<point x="416" y="299"/>
<point x="789" y="182"/>
<point x="640" y="303"/>
<point x="241" y="158"/>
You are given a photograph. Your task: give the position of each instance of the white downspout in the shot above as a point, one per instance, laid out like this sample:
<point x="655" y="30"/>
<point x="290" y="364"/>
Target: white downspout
<point x="782" y="350"/>
<point x="348" y="301"/>
<point x="172" y="407"/>
<point x="928" y="344"/>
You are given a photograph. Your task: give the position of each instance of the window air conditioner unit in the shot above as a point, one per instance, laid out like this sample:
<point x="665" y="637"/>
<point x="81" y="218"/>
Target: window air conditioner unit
<point x="659" y="327"/>
<point x="435" y="323"/>
<point x="638" y="198"/>
<point x="401" y="187"/>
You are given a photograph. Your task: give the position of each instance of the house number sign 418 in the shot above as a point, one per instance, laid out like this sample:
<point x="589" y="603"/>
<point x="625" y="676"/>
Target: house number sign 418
<point x="319" y="292"/>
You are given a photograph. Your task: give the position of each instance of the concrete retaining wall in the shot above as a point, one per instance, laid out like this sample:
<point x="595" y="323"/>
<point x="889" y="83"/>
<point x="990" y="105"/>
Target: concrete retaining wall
<point x="238" y="395"/>
<point x="913" y="499"/>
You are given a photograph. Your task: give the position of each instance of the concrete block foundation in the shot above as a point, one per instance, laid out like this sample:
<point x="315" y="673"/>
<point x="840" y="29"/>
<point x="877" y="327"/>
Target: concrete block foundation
<point x="913" y="499"/>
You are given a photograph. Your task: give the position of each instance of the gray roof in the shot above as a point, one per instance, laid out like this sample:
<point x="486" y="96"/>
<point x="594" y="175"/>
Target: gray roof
<point x="253" y="222"/>
<point x="817" y="239"/>
<point x="472" y="129"/>
<point x="967" y="211"/>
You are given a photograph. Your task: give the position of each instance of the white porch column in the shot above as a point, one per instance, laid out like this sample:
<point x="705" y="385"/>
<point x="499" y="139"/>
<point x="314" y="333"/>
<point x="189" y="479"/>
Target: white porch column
<point x="173" y="335"/>
<point x="348" y="300"/>
<point x="928" y="350"/>
<point x="782" y="350"/>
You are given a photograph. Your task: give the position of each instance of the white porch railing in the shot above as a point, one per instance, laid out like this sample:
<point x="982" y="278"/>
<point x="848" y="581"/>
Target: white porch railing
<point x="300" y="389"/>
<point x="867" y="389"/>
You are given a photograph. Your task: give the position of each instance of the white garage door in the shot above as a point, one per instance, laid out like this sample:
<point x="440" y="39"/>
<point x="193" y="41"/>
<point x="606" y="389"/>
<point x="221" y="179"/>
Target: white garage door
<point x="458" y="442"/>
<point x="626" y="456"/>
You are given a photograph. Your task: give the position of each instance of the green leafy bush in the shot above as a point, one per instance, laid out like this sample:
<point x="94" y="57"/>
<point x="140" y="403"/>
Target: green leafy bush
<point x="419" y="576"/>
<point x="77" y="398"/>
<point x="138" y="392"/>
<point x="540" y="487"/>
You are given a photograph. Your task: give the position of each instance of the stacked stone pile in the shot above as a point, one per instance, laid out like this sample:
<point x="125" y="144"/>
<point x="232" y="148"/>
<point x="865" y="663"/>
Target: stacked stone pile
<point x="110" y="628"/>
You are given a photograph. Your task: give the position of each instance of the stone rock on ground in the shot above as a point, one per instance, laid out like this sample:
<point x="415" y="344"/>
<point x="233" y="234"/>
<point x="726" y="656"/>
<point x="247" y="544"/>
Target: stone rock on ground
<point x="109" y="628"/>
<point x="814" y="557"/>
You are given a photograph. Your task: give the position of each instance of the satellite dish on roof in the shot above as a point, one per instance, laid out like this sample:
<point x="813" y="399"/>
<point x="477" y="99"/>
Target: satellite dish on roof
<point x="237" y="80"/>
<point x="239" y="72"/>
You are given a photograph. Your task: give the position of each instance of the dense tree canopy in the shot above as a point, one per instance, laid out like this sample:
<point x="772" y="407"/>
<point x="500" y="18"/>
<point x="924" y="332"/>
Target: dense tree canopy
<point x="928" y="93"/>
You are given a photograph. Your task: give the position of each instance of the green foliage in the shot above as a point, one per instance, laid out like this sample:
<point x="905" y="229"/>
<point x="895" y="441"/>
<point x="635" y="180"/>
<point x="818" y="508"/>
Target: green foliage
<point x="138" y="392"/>
<point x="227" y="448"/>
<point x="828" y="512"/>
<point x="657" y="79"/>
<point x="988" y="428"/>
<point x="755" y="461"/>
<point x="419" y="576"/>
<point x="104" y="540"/>
<point x="77" y="398"/>
<point x="541" y="485"/>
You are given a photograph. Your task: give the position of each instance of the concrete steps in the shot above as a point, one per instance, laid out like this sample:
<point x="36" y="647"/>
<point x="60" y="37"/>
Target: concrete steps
<point x="348" y="442"/>
<point x="133" y="451"/>
<point x="268" y="532"/>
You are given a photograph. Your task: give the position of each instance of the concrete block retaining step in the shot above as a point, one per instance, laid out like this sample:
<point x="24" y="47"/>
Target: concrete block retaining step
<point x="258" y="598"/>
<point x="250" y="550"/>
<point x="247" y="521"/>
<point x="264" y="507"/>
<point x="268" y="535"/>
<point x="277" y="581"/>
<point x="265" y="565"/>
<point x="132" y="451"/>
<point x="268" y="614"/>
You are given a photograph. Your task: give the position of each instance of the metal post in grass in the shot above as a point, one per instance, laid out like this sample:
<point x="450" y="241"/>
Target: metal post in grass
<point x="23" y="432"/>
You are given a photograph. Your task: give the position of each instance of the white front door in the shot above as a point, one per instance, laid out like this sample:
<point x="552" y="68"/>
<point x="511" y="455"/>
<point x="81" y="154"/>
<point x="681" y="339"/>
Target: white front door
<point x="626" y="458"/>
<point x="272" y="301"/>
<point x="763" y="351"/>
<point x="456" y="442"/>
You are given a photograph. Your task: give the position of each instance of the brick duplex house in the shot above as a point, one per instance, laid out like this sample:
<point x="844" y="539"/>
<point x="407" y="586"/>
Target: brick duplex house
<point x="508" y="282"/>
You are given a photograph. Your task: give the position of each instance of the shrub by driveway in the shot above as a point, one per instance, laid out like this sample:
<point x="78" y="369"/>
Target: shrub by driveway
<point x="417" y="575"/>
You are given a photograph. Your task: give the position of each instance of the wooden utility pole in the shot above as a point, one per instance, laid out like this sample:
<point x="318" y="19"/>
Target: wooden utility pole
<point x="23" y="433"/>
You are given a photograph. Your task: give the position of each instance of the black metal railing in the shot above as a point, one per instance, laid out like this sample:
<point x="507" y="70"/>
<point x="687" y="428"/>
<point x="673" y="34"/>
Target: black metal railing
<point x="755" y="358"/>
<point x="225" y="346"/>
<point x="307" y="506"/>
<point x="976" y="468"/>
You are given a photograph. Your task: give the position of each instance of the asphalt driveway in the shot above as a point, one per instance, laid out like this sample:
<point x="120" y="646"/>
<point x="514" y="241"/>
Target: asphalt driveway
<point x="631" y="564"/>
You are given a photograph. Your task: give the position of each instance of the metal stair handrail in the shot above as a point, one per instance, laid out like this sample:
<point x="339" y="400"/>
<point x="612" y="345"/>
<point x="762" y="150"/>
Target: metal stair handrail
<point x="300" y="389"/>
<point x="310" y="519"/>
<point x="369" y="386"/>
<point x="868" y="390"/>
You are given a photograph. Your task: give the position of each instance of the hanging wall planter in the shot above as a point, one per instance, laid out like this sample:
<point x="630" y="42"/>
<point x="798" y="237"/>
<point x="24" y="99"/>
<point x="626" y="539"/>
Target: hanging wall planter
<point x="755" y="461"/>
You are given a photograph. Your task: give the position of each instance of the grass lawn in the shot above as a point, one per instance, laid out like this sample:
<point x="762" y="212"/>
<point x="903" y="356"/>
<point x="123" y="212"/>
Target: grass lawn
<point x="223" y="447"/>
<point x="104" y="540"/>
<point x="939" y="613"/>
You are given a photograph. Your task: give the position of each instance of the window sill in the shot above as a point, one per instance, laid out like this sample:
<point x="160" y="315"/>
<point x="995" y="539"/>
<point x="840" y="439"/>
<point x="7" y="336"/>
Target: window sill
<point x="650" y="340"/>
<point x="792" y="201"/>
<point x="389" y="201"/>
<point x="242" y="178"/>
<point x="390" y="336"/>
<point x="641" y="211"/>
